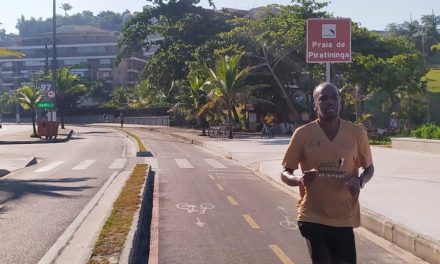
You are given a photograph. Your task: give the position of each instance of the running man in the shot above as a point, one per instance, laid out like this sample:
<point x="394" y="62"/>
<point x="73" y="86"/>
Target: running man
<point x="330" y="151"/>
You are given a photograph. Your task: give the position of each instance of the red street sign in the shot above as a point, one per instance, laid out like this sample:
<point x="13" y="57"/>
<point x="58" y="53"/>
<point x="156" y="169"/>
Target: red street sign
<point x="328" y="40"/>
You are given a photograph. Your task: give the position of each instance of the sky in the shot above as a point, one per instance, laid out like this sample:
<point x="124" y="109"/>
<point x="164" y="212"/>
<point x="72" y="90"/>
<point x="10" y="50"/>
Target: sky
<point x="372" y="14"/>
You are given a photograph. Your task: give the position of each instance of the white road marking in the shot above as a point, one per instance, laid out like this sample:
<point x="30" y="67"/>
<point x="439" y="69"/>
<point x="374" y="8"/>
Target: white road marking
<point x="85" y="164"/>
<point x="152" y="162"/>
<point x="215" y="164"/>
<point x="183" y="164"/>
<point x="117" y="164"/>
<point x="50" y="166"/>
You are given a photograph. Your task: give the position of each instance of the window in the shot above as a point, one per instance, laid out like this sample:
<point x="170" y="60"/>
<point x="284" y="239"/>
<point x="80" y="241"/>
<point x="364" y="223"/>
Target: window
<point x="105" y="75"/>
<point x="94" y="49"/>
<point x="35" y="63"/>
<point x="74" y="62"/>
<point x="105" y="61"/>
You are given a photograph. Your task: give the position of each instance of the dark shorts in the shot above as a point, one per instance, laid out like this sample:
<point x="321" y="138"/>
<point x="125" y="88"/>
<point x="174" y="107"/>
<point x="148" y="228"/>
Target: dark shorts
<point x="328" y="244"/>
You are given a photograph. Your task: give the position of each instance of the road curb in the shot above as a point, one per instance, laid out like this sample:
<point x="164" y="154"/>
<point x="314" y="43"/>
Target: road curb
<point x="420" y="246"/>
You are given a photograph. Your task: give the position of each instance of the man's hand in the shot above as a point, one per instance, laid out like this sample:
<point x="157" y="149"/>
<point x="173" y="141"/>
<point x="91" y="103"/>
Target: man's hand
<point x="309" y="176"/>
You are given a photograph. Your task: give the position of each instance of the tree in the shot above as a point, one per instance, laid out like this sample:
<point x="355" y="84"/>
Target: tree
<point x="192" y="96"/>
<point x="5" y="104"/>
<point x="68" y="87"/>
<point x="120" y="97"/>
<point x="28" y="97"/>
<point x="225" y="82"/>
<point x="66" y="7"/>
<point x="275" y="40"/>
<point x="109" y="20"/>
<point x="175" y="29"/>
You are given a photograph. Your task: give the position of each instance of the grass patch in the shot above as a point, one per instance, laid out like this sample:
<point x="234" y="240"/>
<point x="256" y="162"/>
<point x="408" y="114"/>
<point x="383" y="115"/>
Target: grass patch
<point x="111" y="241"/>
<point x="433" y="77"/>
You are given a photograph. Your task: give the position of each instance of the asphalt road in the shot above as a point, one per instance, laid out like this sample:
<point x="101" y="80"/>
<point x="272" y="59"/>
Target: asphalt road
<point x="39" y="202"/>
<point x="212" y="210"/>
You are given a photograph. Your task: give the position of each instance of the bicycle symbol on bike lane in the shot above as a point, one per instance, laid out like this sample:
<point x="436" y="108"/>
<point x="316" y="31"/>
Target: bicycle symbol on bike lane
<point x="288" y="223"/>
<point x="201" y="209"/>
<point x="190" y="208"/>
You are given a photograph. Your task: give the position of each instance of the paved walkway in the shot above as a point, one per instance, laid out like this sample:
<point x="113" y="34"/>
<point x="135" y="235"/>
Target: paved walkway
<point x="13" y="133"/>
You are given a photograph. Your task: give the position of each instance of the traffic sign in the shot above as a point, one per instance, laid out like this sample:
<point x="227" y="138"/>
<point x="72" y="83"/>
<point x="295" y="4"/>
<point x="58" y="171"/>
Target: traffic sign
<point x="48" y="92"/>
<point x="328" y="40"/>
<point x="45" y="105"/>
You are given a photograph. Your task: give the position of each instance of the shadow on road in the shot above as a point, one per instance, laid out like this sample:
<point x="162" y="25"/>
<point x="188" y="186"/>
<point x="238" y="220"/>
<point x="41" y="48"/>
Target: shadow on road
<point x="11" y="189"/>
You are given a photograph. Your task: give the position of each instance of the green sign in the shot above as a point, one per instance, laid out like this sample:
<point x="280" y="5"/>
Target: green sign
<point x="45" y="105"/>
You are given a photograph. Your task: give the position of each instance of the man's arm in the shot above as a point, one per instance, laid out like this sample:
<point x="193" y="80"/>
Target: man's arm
<point x="292" y="180"/>
<point x="356" y="183"/>
<point x="288" y="178"/>
<point x="366" y="175"/>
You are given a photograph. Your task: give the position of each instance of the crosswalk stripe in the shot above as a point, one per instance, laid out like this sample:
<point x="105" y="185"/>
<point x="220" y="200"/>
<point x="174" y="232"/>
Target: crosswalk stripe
<point x="215" y="164"/>
<point x="50" y="166"/>
<point x="117" y="164"/>
<point x="85" y="164"/>
<point x="183" y="164"/>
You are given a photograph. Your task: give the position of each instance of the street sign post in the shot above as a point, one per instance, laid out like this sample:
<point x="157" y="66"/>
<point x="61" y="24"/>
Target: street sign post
<point x="48" y="100"/>
<point x="328" y="41"/>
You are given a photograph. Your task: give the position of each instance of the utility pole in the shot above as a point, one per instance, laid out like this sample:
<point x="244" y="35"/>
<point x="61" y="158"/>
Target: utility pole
<point x="54" y="59"/>
<point x="54" y="45"/>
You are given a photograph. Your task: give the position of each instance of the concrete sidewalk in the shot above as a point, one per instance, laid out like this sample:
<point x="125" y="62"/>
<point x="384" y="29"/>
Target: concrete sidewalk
<point x="400" y="203"/>
<point x="20" y="134"/>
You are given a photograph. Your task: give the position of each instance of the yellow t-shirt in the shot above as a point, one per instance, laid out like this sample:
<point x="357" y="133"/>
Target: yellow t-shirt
<point x="269" y="119"/>
<point x="328" y="200"/>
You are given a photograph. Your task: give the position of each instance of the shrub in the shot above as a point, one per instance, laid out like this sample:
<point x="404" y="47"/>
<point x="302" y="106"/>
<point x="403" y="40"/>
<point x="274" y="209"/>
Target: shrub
<point x="428" y="131"/>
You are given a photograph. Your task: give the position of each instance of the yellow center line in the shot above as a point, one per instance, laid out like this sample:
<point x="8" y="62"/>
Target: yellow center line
<point x="220" y="187"/>
<point x="250" y="221"/>
<point x="212" y="177"/>
<point x="280" y="254"/>
<point x="232" y="200"/>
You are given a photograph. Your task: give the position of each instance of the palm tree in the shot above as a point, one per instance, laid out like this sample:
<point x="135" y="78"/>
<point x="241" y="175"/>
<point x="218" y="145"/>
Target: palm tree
<point x="226" y="81"/>
<point x="192" y="98"/>
<point x="66" y="7"/>
<point x="28" y="97"/>
<point x="67" y="84"/>
<point x="120" y="97"/>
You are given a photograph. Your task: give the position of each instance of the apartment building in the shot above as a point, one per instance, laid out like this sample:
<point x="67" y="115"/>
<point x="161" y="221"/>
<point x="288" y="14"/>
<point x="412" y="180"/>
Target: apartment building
<point x="89" y="50"/>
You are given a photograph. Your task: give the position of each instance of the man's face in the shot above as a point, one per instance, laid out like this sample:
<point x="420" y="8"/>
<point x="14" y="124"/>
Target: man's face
<point x="327" y="102"/>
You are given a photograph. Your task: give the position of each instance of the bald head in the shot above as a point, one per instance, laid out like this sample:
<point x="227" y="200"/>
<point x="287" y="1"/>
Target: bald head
<point x="326" y="101"/>
<point x="321" y="86"/>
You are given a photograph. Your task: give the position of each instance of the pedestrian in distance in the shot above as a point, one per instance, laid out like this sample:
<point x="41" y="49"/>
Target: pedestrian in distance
<point x="330" y="151"/>
<point x="121" y="117"/>
<point x="266" y="130"/>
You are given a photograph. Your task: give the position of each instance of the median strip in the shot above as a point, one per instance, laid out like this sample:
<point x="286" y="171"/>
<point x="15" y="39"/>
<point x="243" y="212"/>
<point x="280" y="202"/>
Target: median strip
<point x="141" y="147"/>
<point x="114" y="233"/>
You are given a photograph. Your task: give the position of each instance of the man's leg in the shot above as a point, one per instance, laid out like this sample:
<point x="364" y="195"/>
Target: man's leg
<point x="315" y="235"/>
<point x="342" y="245"/>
